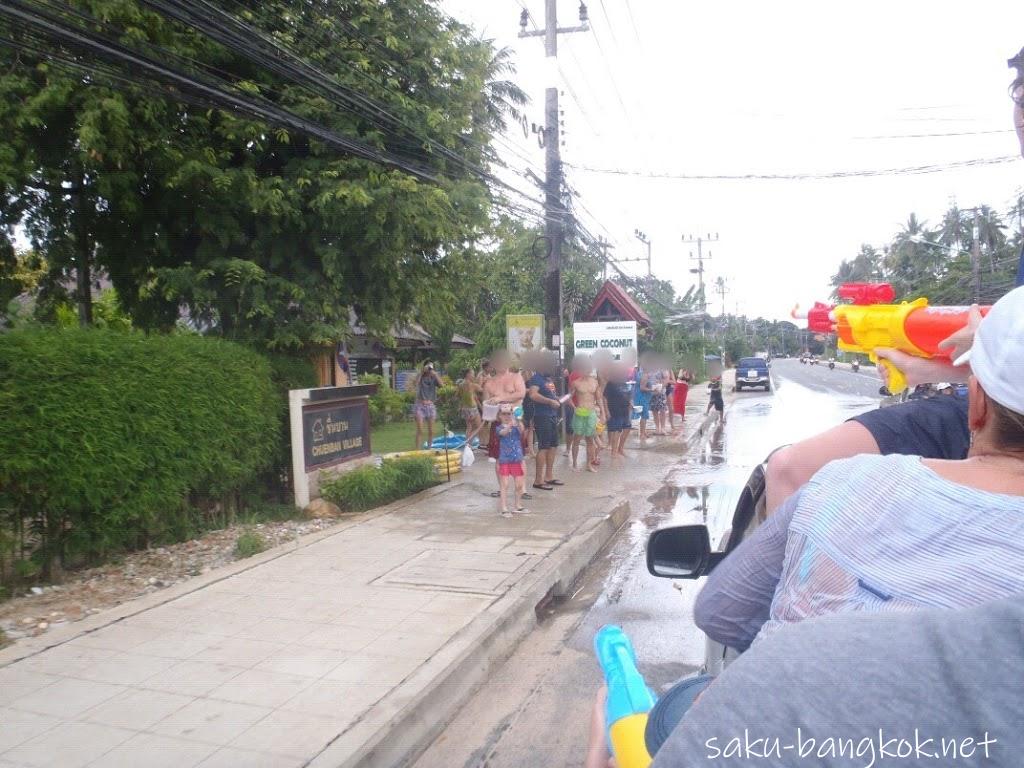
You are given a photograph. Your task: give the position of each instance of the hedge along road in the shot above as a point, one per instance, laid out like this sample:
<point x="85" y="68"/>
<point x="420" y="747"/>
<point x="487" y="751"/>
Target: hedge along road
<point x="116" y="440"/>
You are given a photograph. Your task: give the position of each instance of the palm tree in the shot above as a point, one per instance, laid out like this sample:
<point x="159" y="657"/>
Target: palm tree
<point x="955" y="230"/>
<point x="721" y="290"/>
<point x="1016" y="214"/>
<point x="865" y="267"/>
<point x="991" y="233"/>
<point x="911" y="261"/>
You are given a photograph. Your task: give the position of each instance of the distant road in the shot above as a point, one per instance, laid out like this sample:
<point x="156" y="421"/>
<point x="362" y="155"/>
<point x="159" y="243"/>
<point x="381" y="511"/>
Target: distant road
<point x="819" y="378"/>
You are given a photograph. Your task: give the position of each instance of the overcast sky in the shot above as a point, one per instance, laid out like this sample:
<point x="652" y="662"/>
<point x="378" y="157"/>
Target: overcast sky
<point x="714" y="88"/>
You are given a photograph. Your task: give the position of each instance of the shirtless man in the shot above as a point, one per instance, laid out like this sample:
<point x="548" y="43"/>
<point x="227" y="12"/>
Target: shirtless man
<point x="505" y="386"/>
<point x="586" y="391"/>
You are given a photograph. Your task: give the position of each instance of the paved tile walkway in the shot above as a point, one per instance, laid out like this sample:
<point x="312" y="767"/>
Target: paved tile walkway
<point x="266" y="666"/>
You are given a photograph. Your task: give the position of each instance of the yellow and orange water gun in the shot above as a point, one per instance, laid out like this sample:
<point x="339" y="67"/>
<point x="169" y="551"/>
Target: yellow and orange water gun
<point x="870" y="320"/>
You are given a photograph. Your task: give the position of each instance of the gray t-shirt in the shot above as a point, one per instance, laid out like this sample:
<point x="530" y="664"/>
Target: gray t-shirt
<point x="869" y="690"/>
<point x="427" y="388"/>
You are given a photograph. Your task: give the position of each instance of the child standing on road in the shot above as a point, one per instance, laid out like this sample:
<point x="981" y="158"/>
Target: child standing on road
<point x="716" y="401"/>
<point x="510" y="460"/>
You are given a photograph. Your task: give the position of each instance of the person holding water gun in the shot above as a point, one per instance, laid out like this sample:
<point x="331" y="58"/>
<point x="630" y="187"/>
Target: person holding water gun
<point x="933" y="428"/>
<point x="510" y="458"/>
<point x="627" y="702"/>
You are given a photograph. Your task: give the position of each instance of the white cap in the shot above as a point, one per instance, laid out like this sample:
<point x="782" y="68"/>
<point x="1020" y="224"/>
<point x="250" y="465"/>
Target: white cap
<point x="997" y="354"/>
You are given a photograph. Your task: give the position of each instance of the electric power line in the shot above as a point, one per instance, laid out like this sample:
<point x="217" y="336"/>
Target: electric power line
<point x="908" y="171"/>
<point x="632" y="21"/>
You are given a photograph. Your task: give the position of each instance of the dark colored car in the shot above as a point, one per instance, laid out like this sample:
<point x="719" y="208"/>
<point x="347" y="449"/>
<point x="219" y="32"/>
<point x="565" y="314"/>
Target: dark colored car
<point x="752" y="372"/>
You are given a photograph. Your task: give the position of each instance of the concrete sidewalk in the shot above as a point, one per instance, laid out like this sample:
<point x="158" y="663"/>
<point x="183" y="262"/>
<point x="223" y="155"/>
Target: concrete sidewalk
<point x="350" y="647"/>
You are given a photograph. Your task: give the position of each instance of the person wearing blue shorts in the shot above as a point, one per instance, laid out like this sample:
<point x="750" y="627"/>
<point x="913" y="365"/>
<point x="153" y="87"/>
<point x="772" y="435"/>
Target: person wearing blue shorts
<point x="642" y="391"/>
<point x="619" y="406"/>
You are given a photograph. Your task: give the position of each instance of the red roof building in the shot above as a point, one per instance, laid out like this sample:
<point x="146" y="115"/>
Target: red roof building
<point x="613" y="303"/>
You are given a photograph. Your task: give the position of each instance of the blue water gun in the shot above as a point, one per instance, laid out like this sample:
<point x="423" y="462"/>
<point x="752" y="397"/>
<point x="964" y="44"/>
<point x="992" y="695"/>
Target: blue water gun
<point x="629" y="698"/>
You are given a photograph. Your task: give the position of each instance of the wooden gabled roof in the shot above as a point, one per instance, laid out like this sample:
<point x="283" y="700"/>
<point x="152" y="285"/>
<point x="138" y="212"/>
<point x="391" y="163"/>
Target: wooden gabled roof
<point x="612" y="296"/>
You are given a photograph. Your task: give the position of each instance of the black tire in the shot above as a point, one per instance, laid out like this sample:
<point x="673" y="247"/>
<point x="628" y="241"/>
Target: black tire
<point x="767" y="387"/>
<point x="739" y="387"/>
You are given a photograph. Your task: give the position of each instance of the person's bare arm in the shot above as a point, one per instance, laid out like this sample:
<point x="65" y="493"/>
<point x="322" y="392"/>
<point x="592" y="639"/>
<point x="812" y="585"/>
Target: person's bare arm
<point x="537" y="397"/>
<point x="597" y="748"/>
<point x="792" y="466"/>
<point x="921" y="370"/>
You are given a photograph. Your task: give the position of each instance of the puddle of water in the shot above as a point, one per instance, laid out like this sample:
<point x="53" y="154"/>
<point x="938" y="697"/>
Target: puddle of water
<point x="710" y="479"/>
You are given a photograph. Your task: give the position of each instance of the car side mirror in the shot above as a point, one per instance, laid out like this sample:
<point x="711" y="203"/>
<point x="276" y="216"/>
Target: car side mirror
<point x="681" y="552"/>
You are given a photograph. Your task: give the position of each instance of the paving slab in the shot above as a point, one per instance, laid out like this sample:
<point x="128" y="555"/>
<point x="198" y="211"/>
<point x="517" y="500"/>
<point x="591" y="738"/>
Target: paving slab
<point x="351" y="646"/>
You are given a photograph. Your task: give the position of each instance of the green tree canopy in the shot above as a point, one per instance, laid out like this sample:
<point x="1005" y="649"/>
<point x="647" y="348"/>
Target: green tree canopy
<point x="261" y="234"/>
<point x="937" y="263"/>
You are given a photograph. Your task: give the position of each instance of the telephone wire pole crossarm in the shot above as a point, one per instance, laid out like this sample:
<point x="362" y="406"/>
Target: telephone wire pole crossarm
<point x="700" y="259"/>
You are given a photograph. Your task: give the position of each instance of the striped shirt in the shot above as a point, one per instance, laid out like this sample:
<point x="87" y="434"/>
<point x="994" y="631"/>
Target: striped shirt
<point x="886" y="533"/>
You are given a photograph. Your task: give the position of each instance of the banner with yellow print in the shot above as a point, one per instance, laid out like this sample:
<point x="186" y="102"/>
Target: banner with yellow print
<point x="525" y="333"/>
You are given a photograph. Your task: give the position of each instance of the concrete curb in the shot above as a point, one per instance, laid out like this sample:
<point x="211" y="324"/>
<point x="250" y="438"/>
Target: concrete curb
<point x="402" y="724"/>
<point x="27" y="647"/>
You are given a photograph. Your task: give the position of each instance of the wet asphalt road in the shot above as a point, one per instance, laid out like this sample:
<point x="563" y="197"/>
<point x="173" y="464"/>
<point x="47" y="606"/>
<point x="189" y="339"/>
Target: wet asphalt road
<point x="820" y="379"/>
<point x="535" y="710"/>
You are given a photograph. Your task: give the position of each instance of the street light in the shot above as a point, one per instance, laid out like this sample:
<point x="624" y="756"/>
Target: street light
<point x="921" y="241"/>
<point x="684" y="316"/>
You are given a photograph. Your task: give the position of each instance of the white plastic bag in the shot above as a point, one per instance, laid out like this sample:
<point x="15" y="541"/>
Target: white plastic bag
<point x="467" y="457"/>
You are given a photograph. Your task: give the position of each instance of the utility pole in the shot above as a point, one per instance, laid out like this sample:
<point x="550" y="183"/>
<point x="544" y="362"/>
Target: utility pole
<point x="721" y="290"/>
<point x="699" y="271"/>
<point x="643" y="238"/>
<point x="976" y="258"/>
<point x="554" y="211"/>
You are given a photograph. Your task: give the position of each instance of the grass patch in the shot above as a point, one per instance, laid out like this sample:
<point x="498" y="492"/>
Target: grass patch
<point x="268" y="512"/>
<point x="249" y="543"/>
<point x="394" y="437"/>
<point x="369" y="486"/>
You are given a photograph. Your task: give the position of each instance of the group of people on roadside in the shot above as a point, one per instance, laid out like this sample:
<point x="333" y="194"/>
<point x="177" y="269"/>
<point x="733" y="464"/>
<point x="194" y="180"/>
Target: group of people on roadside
<point x="524" y="405"/>
<point x="880" y="606"/>
<point x="660" y="394"/>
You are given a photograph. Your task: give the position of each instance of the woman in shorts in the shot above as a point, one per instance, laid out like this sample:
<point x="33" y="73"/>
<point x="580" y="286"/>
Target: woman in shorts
<point x="469" y="403"/>
<point x="617" y="396"/>
<point x="659" y="399"/>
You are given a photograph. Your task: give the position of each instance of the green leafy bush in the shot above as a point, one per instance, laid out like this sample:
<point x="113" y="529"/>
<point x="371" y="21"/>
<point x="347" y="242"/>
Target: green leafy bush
<point x="371" y="486"/>
<point x="460" y="360"/>
<point x="249" y="543"/>
<point x="449" y="408"/>
<point x="112" y="438"/>
<point x="387" y="405"/>
<point x="287" y="372"/>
